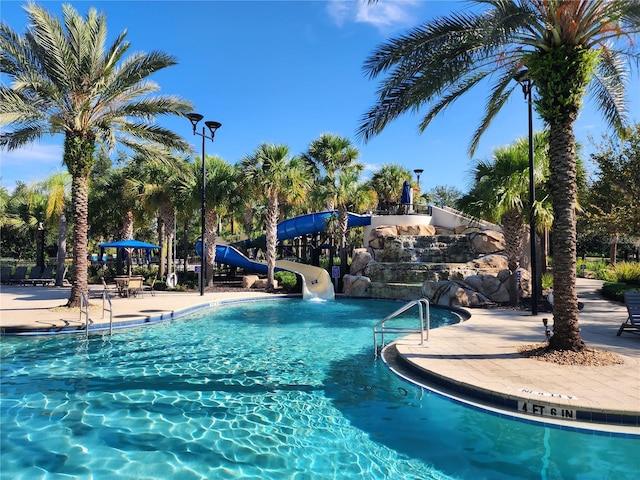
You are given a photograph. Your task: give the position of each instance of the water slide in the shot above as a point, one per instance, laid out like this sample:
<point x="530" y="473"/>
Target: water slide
<point x="316" y="282"/>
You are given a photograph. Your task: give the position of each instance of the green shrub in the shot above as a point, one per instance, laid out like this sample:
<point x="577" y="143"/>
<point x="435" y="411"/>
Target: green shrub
<point x="547" y="280"/>
<point x="626" y="272"/>
<point x="615" y="290"/>
<point x="286" y="280"/>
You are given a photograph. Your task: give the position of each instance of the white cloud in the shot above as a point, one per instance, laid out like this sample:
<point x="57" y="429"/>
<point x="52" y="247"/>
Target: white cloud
<point x="382" y="14"/>
<point x="29" y="164"/>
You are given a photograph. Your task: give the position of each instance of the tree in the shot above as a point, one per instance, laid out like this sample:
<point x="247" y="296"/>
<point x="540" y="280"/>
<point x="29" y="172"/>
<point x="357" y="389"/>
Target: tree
<point x="565" y="47"/>
<point x="444" y="196"/>
<point x="272" y="172"/>
<point x="614" y="197"/>
<point x="220" y="183"/>
<point x="500" y="194"/>
<point x="57" y="190"/>
<point x="334" y="156"/>
<point x="327" y="157"/>
<point x="66" y="80"/>
<point x="388" y="182"/>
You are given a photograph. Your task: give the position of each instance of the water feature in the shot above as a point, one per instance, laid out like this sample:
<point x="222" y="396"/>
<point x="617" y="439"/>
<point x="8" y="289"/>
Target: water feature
<point x="267" y="390"/>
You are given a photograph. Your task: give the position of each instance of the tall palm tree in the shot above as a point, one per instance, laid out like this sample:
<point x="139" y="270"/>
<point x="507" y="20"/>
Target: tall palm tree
<point x="57" y="187"/>
<point x="500" y="193"/>
<point x="220" y="185"/>
<point x="565" y="46"/>
<point x="388" y="182"/>
<point x="66" y="80"/>
<point x="333" y="160"/>
<point x="327" y="156"/>
<point x="273" y="172"/>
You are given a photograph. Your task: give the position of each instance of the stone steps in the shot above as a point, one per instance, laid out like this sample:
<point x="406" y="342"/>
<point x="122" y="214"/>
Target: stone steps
<point x="396" y="291"/>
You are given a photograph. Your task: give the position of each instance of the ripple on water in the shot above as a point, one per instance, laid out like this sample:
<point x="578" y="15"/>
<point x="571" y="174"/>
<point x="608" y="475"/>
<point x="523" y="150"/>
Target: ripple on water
<point x="285" y="390"/>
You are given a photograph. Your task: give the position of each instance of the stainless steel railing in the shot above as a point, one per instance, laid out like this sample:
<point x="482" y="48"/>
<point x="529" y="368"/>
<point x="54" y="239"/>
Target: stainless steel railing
<point x="381" y="327"/>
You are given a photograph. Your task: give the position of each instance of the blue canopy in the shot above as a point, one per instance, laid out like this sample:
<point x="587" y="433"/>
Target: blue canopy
<point x="129" y="244"/>
<point x="406" y="195"/>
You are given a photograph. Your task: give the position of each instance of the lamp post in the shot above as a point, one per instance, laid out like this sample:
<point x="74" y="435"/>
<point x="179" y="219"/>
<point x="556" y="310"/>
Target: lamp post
<point x="527" y="85"/>
<point x="418" y="172"/>
<point x="194" y="118"/>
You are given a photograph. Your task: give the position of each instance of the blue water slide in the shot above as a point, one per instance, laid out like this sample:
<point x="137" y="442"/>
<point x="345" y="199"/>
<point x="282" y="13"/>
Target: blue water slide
<point x="316" y="222"/>
<point x="231" y="256"/>
<point x="291" y="228"/>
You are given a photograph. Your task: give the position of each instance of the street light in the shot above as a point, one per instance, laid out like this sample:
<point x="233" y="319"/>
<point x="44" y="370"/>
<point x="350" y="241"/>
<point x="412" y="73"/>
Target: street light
<point x="194" y="118"/>
<point x="527" y="85"/>
<point x="418" y="172"/>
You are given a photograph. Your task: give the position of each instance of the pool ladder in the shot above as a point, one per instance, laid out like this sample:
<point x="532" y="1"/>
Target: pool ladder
<point x="84" y="305"/>
<point x="381" y="328"/>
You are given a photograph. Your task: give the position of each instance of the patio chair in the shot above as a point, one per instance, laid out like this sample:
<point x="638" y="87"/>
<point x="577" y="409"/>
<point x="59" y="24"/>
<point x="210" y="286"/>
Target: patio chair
<point x="18" y="276"/>
<point x="34" y="274"/>
<point x="5" y="274"/>
<point x="46" y="277"/>
<point x="110" y="289"/>
<point x="632" y="300"/>
<point x="134" y="287"/>
<point x="149" y="287"/>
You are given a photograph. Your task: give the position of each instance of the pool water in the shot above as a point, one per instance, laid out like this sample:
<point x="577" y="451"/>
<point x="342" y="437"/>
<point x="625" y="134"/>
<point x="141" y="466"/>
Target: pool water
<point x="283" y="389"/>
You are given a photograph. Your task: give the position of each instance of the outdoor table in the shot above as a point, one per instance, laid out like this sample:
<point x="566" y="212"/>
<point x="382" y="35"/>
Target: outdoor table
<point x="125" y="287"/>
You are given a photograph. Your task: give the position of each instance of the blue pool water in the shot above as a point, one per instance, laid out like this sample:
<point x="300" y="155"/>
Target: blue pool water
<point x="284" y="389"/>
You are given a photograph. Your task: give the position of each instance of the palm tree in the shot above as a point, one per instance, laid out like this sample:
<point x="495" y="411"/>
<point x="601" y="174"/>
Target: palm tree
<point x="66" y="80"/>
<point x="500" y="194"/>
<point x="272" y="171"/>
<point x="57" y="188"/>
<point x="220" y="185"/>
<point x="336" y="158"/>
<point x="388" y="182"/>
<point x="565" y="46"/>
<point x="327" y="157"/>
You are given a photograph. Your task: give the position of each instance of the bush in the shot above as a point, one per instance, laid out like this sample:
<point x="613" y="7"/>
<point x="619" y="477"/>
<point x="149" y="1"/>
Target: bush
<point x="625" y="272"/>
<point x="287" y="280"/>
<point x="615" y="290"/>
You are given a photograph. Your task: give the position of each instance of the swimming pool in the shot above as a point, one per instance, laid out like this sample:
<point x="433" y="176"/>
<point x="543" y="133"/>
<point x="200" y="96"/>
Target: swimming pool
<point x="282" y="389"/>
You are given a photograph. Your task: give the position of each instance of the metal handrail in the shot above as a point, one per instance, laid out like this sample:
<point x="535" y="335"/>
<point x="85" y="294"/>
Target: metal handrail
<point x="424" y="314"/>
<point x="84" y="303"/>
<point x="107" y="297"/>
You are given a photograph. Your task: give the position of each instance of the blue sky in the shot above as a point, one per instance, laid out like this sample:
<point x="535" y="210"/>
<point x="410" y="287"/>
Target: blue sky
<point x="288" y="71"/>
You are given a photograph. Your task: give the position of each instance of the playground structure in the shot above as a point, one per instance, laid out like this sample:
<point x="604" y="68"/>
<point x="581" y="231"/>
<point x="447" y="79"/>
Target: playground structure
<point x="316" y="282"/>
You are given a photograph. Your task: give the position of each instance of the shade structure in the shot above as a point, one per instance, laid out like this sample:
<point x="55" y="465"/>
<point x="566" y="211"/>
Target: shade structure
<point x="129" y="244"/>
<point x="406" y="193"/>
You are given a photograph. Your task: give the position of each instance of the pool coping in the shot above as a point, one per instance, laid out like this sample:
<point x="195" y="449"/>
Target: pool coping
<point x="474" y="396"/>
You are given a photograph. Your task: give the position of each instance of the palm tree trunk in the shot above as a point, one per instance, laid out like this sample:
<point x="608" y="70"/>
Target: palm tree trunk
<point x="127" y="225"/>
<point x="562" y="164"/>
<point x="170" y="233"/>
<point x="272" y="236"/>
<point x="62" y="249"/>
<point x="513" y="228"/>
<point x="80" y="201"/>
<point x="210" y="242"/>
<point x="343" y="225"/>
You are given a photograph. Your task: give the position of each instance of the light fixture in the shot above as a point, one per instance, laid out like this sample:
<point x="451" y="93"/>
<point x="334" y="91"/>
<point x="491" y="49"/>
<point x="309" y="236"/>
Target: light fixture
<point x="195" y="118"/>
<point x="522" y="77"/>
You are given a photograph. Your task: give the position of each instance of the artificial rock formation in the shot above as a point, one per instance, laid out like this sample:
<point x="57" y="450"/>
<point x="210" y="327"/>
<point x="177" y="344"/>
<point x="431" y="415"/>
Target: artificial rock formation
<point x="454" y="267"/>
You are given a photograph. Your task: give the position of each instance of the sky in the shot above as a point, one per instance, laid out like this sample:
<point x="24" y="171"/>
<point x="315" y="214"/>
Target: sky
<point x="289" y="71"/>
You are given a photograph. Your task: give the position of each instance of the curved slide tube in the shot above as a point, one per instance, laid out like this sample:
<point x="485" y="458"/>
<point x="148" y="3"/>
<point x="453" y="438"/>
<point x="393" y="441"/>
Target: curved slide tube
<point x="316" y="222"/>
<point x="316" y="282"/>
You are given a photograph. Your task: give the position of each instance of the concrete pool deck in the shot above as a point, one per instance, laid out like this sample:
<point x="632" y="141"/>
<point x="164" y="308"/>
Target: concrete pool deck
<point x="476" y="361"/>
